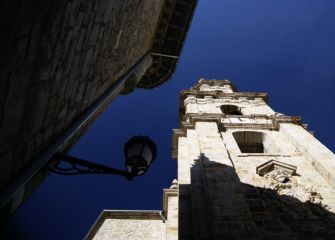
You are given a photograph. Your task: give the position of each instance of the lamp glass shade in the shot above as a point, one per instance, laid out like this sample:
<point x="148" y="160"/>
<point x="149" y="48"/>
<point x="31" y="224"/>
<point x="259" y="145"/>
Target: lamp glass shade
<point x="147" y="154"/>
<point x="139" y="151"/>
<point x="134" y="150"/>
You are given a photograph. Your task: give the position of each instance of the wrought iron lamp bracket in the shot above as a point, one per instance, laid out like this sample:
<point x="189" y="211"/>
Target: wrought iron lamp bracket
<point x="68" y="165"/>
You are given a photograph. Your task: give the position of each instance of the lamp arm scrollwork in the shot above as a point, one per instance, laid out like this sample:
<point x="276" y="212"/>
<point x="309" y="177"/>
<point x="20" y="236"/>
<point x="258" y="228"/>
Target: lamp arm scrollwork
<point x="68" y="165"/>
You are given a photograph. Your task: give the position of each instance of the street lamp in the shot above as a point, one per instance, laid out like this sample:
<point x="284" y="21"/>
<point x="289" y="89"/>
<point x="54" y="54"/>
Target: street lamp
<point x="139" y="152"/>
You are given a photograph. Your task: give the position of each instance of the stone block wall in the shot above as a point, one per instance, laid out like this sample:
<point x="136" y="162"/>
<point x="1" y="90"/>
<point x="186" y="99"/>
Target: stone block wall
<point x="246" y="172"/>
<point x="170" y="210"/>
<point x="222" y="196"/>
<point x="315" y="153"/>
<point x="57" y="58"/>
<point x="128" y="229"/>
<point x="137" y="224"/>
<point x="132" y="225"/>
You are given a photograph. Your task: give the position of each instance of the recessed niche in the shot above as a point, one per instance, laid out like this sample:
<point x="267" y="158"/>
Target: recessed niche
<point x="249" y="141"/>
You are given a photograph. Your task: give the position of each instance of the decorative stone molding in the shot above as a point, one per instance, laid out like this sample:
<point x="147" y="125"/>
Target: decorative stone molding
<point x="190" y="119"/>
<point x="284" y="191"/>
<point x="282" y="179"/>
<point x="215" y="95"/>
<point x="273" y="165"/>
<point x="213" y="82"/>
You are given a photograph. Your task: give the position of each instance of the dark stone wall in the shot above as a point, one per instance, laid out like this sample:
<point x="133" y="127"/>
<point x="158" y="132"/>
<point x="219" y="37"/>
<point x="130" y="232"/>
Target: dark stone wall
<point x="57" y="57"/>
<point x="217" y="205"/>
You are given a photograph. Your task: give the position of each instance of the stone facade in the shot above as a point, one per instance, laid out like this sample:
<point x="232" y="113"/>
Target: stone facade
<point x="124" y="229"/>
<point x="131" y="225"/>
<point x="70" y="53"/>
<point x="60" y="57"/>
<point x="137" y="224"/>
<point x="250" y="173"/>
<point x="244" y="172"/>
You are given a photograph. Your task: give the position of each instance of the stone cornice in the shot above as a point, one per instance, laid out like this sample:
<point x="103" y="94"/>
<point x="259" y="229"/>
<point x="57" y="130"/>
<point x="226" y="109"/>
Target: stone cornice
<point x="215" y="94"/>
<point x="213" y="82"/>
<point x="170" y="35"/>
<point x="189" y="121"/>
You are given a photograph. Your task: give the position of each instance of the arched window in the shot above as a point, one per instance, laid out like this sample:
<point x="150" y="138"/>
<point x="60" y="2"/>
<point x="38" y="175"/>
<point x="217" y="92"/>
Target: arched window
<point x="230" y="109"/>
<point x="249" y="141"/>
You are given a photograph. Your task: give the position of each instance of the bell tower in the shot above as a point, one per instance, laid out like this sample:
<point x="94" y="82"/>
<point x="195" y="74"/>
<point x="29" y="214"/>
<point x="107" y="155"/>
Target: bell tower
<point x="248" y="172"/>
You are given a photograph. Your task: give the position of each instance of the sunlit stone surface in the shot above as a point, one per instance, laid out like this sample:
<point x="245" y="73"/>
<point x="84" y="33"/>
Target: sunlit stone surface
<point x="247" y="174"/>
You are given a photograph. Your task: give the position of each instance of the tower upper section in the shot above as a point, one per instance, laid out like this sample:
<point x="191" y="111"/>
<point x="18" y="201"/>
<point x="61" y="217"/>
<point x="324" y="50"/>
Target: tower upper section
<point x="222" y="86"/>
<point x="219" y="101"/>
<point x="221" y="97"/>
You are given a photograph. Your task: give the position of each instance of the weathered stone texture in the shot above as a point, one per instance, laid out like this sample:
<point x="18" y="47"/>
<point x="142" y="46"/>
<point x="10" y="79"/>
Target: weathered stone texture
<point x="172" y="218"/>
<point x="212" y="105"/>
<point x="281" y="190"/>
<point x="136" y="224"/>
<point x="221" y="195"/>
<point x="57" y="58"/>
<point x="131" y="229"/>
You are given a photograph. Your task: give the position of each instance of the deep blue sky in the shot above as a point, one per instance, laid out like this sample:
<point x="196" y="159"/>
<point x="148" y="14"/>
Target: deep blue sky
<point x="285" y="48"/>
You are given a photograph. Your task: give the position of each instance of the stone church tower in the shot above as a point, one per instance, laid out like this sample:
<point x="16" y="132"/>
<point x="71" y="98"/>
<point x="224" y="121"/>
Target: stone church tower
<point x="247" y="172"/>
<point x="244" y="172"/>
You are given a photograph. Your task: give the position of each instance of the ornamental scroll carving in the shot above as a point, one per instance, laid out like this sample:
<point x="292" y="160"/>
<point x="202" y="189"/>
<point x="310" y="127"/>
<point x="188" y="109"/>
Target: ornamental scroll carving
<point x="284" y="190"/>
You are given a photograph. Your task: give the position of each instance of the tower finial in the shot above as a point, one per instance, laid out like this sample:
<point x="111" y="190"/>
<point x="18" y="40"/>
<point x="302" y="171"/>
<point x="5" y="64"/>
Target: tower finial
<point x="174" y="184"/>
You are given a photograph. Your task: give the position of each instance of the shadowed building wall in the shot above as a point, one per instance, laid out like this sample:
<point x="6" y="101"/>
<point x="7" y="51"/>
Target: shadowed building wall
<point x="59" y="59"/>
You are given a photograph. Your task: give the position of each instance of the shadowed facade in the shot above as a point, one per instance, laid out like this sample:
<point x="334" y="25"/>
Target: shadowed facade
<point x="63" y="62"/>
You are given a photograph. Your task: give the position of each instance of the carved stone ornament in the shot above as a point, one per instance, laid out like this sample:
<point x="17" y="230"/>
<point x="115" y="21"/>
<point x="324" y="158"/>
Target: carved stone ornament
<point x="281" y="180"/>
<point x="275" y="165"/>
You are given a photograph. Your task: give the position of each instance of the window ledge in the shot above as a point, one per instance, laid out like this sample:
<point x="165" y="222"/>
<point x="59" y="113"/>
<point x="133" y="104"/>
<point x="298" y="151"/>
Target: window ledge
<point x="261" y="155"/>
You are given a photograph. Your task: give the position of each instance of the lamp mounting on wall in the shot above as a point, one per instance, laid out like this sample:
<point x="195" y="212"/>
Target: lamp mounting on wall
<point x="139" y="152"/>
